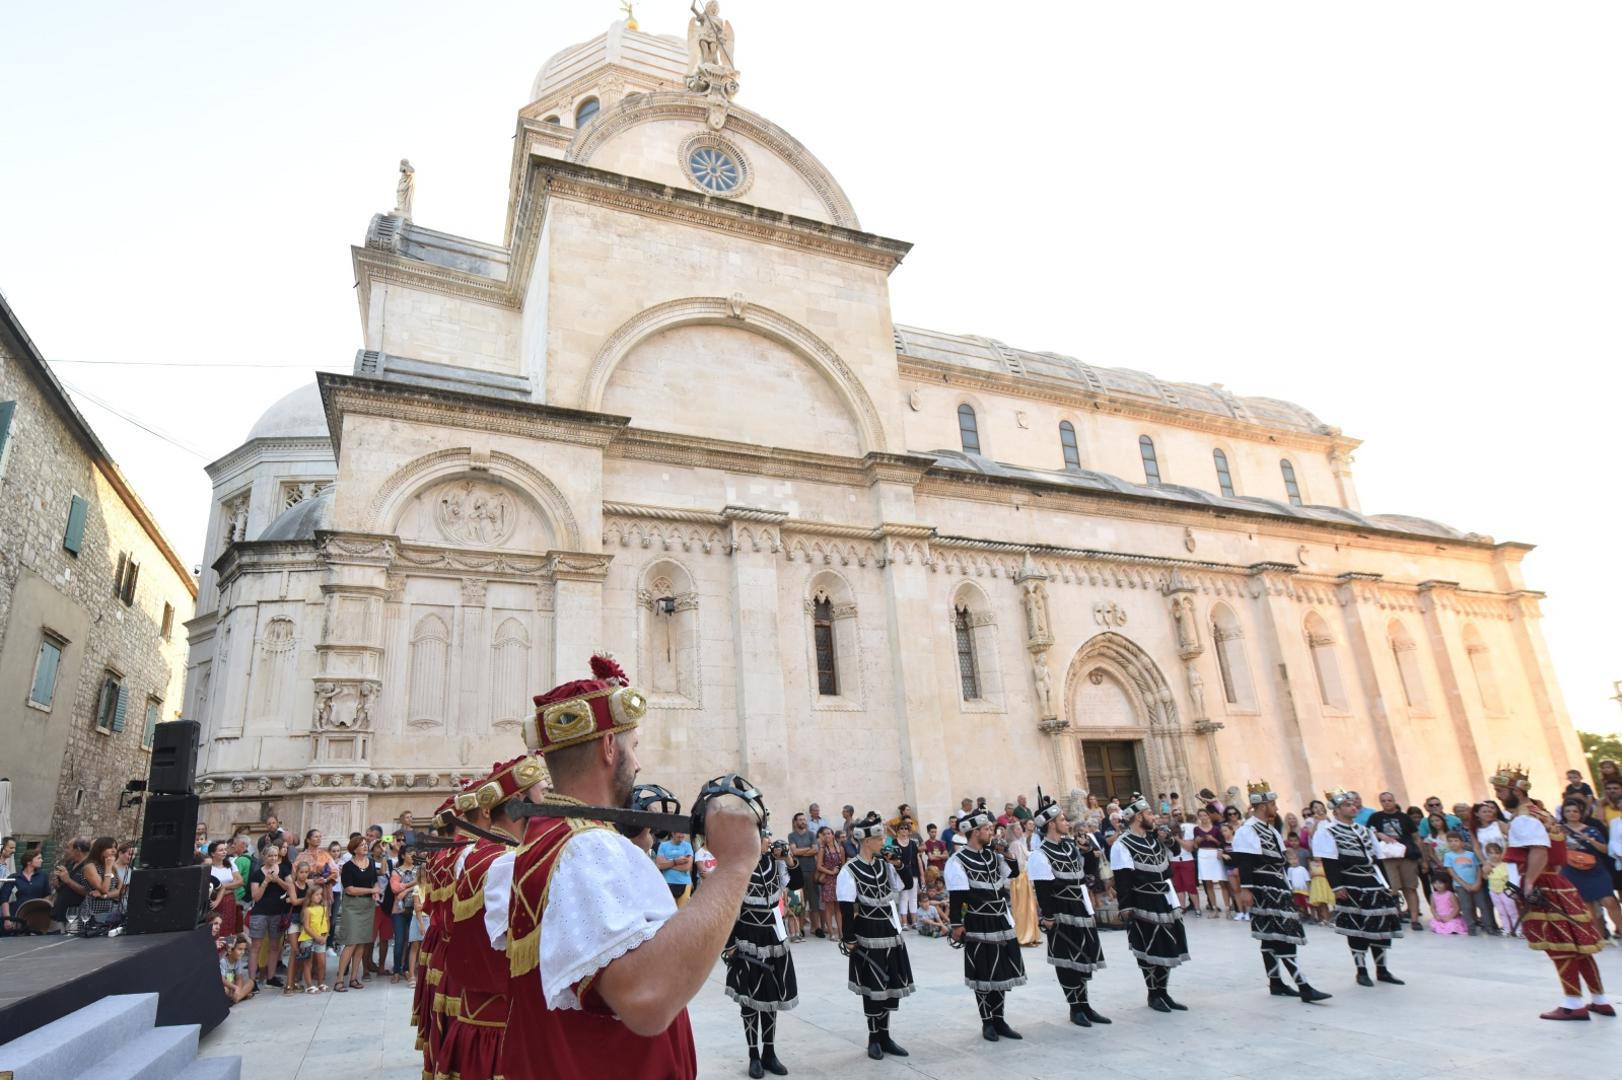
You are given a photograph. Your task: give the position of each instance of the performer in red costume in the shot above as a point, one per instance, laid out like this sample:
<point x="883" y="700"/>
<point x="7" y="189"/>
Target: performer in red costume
<point x="429" y="1001"/>
<point x="478" y="1015"/>
<point x="1554" y="918"/>
<point x="602" y="964"/>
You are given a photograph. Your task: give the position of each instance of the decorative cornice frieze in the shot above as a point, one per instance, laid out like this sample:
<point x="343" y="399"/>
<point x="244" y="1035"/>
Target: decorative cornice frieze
<point x="391" y="268"/>
<point x="249" y="453"/>
<point x="457" y="562"/>
<point x="697" y="452"/>
<point x="578" y="565"/>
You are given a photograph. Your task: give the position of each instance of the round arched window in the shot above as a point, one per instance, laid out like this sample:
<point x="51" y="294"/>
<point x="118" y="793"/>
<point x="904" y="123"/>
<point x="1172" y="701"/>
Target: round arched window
<point x="714" y="169"/>
<point x="588" y="109"/>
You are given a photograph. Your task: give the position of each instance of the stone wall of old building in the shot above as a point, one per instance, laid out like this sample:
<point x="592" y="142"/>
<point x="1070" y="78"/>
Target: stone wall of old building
<point x="67" y="773"/>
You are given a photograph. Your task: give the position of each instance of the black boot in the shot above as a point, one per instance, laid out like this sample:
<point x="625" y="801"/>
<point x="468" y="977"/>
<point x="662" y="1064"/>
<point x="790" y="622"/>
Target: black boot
<point x="768" y="1058"/>
<point x="756" y="1069"/>
<point x="1171" y="1004"/>
<point x="1386" y="977"/>
<point x="1004" y="1030"/>
<point x="1157" y="1002"/>
<point x="1279" y="988"/>
<point x="890" y="1046"/>
<point x="1095" y="1017"/>
<point x="988" y="1032"/>
<point x="873" y="1049"/>
<point x="1079" y="1017"/>
<point x="1363" y="977"/>
<point x="1309" y="995"/>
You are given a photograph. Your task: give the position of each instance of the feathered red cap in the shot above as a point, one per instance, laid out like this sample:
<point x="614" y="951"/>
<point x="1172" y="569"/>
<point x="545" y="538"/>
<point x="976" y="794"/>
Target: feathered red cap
<point x="585" y="709"/>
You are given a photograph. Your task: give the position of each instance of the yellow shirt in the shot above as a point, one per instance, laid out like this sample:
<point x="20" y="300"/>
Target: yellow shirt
<point x="1611" y="812"/>
<point x="1498" y="877"/>
<point x="315" y="923"/>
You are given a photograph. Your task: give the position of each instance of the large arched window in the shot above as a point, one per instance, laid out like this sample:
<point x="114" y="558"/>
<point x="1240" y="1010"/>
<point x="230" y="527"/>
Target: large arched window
<point x="1227" y="639"/>
<point x="822" y="631"/>
<point x="968" y="428"/>
<point x="1291" y="488"/>
<point x="968" y="669"/>
<point x="1325" y="665"/>
<point x="585" y="111"/>
<point x="1067" y="442"/>
<point x="1224" y="477"/>
<point x="1151" y="464"/>
<point x="1406" y="653"/>
<point x="1475" y="647"/>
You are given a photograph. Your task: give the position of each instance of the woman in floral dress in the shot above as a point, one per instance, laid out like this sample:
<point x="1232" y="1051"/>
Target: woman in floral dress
<point x="830" y="857"/>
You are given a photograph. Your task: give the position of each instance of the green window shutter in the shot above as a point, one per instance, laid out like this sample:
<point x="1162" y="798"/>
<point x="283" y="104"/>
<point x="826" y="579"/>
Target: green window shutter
<point x="118" y="710"/>
<point x="73" y="540"/>
<point x="7" y="410"/>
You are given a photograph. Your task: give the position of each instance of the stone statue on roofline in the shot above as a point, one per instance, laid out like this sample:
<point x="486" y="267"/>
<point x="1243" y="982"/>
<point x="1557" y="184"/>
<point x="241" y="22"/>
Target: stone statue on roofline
<point x="404" y="189"/>
<point x="710" y="68"/>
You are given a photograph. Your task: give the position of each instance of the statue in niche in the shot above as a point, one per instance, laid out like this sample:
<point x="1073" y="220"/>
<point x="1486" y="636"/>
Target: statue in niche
<point x="1196" y="691"/>
<point x="1044" y="686"/>
<point x="1188" y="636"/>
<point x="404" y="189"/>
<point x="325" y="693"/>
<point x="481" y="515"/>
<point x="1036" y="611"/>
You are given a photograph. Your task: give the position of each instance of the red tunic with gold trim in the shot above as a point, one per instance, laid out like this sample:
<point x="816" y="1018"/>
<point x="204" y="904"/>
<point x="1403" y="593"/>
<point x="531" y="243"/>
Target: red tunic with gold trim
<point x="1559" y="926"/>
<point x="431" y="1001"/>
<point x="607" y="900"/>
<point x="478" y="1015"/>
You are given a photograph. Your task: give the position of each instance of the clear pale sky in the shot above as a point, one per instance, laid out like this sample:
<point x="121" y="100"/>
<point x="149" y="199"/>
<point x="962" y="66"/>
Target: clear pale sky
<point x="1403" y="216"/>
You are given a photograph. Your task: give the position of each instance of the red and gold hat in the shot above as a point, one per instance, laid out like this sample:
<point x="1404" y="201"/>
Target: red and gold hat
<point x="506" y="780"/>
<point x="445" y="810"/>
<point x="586" y="709"/>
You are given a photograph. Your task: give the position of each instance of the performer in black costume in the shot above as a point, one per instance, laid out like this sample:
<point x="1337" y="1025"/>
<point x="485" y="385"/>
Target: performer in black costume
<point x="1365" y="907"/>
<point x="866" y="890"/>
<point x="760" y="970"/>
<point x="1149" y="904"/>
<point x="1058" y="873"/>
<point x="1264" y="892"/>
<point x="977" y="883"/>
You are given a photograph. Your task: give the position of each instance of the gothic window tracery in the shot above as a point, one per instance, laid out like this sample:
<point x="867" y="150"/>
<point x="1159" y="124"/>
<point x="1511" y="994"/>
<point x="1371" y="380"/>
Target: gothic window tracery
<point x="822" y="629"/>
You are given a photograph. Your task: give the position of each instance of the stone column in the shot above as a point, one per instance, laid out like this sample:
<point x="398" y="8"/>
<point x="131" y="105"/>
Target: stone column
<point x="911" y="632"/>
<point x="1281" y="623"/>
<point x="1365" y="634"/>
<point x="577" y="611"/>
<point x="757" y="654"/>
<point x="1190" y="647"/>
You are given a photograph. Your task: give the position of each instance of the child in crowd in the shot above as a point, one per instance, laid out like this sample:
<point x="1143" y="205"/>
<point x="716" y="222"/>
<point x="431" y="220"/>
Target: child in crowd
<point x="311" y="962"/>
<point x="1299" y="878"/>
<point x="1320" y="895"/>
<point x="1444" y="906"/>
<point x="794" y="914"/>
<point x="234" y="970"/>
<point x="1503" y="904"/>
<point x="1465" y="873"/>
<point x="932" y="907"/>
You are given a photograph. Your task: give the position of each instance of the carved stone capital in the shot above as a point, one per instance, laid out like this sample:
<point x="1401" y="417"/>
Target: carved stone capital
<point x="1053" y="726"/>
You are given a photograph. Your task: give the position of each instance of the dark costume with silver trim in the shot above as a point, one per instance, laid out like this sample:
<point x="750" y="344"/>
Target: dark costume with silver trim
<point x="760" y="969"/>
<point x="1155" y="920"/>
<point x="1368" y="917"/>
<point x="1057" y="869"/>
<point x="977" y="882"/>
<point x="1258" y="850"/>
<point x="879" y="969"/>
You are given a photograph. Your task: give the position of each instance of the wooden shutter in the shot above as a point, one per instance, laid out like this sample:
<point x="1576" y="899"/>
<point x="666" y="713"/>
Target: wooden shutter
<point x="118" y="710"/>
<point x="7" y="410"/>
<point x="73" y="539"/>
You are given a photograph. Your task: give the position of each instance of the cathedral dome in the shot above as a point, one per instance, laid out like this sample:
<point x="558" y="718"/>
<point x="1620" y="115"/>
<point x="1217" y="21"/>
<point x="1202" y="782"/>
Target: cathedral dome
<point x="299" y="415"/>
<point x="657" y="57"/>
<point x="302" y="519"/>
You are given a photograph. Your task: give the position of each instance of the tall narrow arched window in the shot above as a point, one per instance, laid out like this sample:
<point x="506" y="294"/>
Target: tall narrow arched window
<point x="1224" y="477"/>
<point x="1475" y="647"/>
<point x="1227" y="638"/>
<point x="822" y="629"/>
<point x="968" y="429"/>
<point x="1291" y="488"/>
<point x="586" y="110"/>
<point x="1067" y="442"/>
<point x="1151" y="464"/>
<point x="1325" y="665"/>
<point x="1406" y="653"/>
<point x="967" y="668"/>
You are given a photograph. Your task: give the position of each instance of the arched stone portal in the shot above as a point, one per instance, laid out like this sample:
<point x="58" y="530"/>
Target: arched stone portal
<point x="1114" y="694"/>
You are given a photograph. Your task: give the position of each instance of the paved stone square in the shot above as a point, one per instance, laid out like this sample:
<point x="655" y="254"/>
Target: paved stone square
<point x="1470" y="1008"/>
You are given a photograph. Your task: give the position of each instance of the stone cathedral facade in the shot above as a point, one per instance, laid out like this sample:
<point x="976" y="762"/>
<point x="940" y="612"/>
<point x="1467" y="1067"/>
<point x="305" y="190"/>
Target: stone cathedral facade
<point x="669" y="414"/>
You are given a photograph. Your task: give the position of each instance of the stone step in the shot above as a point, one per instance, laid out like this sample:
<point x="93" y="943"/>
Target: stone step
<point x="78" y="1044"/>
<point x="213" y="1068"/>
<point x="160" y="1054"/>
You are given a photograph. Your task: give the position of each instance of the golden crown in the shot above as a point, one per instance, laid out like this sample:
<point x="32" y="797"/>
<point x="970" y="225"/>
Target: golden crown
<point x="1510" y="776"/>
<point x="1336" y="796"/>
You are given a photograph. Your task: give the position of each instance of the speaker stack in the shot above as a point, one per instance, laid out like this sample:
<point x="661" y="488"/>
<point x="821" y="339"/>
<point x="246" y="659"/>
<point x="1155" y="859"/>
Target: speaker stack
<point x="170" y="889"/>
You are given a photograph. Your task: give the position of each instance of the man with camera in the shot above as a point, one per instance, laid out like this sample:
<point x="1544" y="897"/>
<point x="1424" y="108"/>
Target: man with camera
<point x="601" y="963"/>
<point x="977" y="880"/>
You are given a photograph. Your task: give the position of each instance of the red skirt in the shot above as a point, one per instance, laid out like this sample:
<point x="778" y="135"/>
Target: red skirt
<point x="1561" y="925"/>
<point x="1184" y="877"/>
<point x="472" y="1049"/>
<point x="382" y="925"/>
<point x="230" y="915"/>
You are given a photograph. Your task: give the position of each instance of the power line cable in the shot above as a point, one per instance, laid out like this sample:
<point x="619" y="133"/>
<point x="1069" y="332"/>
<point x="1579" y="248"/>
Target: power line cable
<point x="136" y="421"/>
<point x="201" y="364"/>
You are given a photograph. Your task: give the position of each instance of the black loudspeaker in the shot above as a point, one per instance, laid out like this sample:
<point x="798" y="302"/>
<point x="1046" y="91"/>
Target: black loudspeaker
<point x="169" y="831"/>
<point x="174" y="758"/>
<point x="160" y="901"/>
